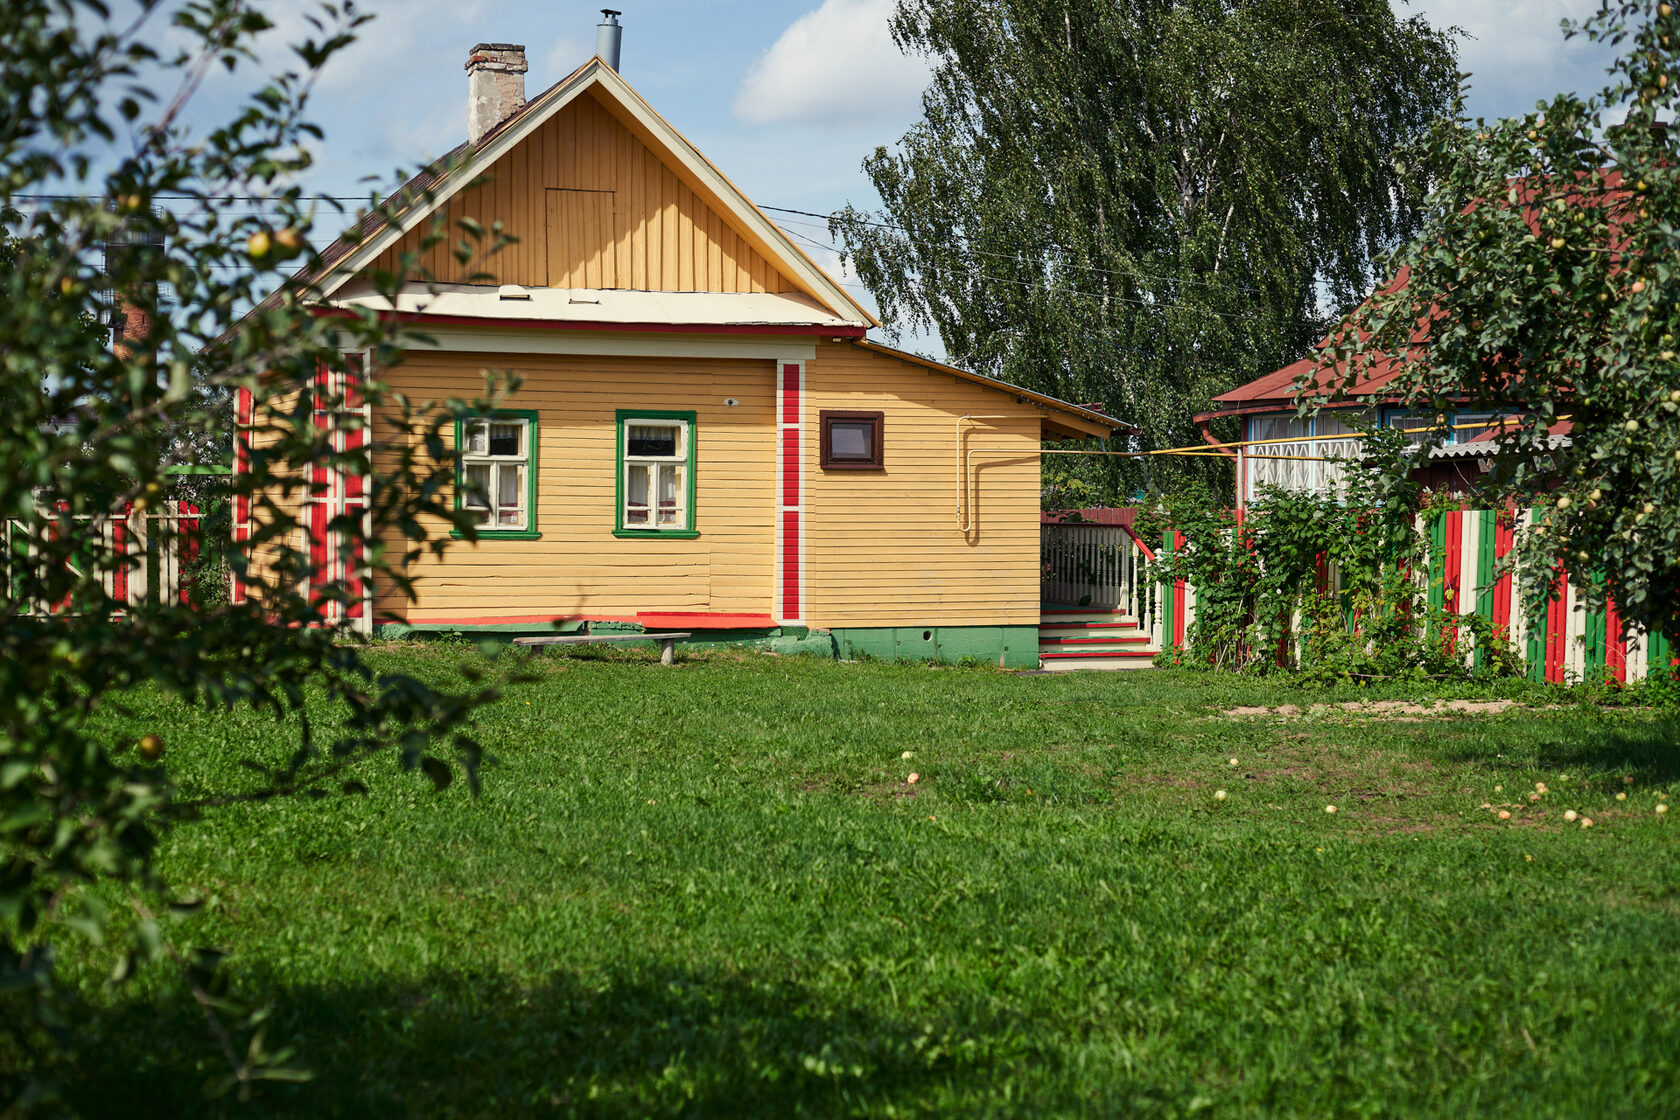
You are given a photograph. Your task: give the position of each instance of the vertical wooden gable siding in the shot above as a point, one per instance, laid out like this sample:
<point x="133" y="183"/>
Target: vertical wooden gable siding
<point x="886" y="548"/>
<point x="578" y="568"/>
<point x="592" y="207"/>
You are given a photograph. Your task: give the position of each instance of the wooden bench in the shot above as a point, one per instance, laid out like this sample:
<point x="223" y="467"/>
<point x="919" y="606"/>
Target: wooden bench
<point x="667" y="641"/>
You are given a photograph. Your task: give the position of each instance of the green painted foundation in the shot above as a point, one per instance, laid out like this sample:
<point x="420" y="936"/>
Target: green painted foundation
<point x="777" y="639"/>
<point x="1012" y="647"/>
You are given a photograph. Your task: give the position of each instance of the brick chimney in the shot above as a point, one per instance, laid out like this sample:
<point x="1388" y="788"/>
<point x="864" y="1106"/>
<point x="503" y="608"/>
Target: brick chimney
<point x="134" y="296"/>
<point x="495" y="86"/>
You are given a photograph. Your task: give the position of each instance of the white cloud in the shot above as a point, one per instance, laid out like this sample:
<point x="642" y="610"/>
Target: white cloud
<point x="835" y="66"/>
<point x="1515" y="51"/>
<point x="566" y="55"/>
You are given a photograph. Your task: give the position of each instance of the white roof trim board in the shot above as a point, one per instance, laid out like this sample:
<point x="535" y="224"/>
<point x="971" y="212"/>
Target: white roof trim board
<point x="612" y="305"/>
<point x="595" y="74"/>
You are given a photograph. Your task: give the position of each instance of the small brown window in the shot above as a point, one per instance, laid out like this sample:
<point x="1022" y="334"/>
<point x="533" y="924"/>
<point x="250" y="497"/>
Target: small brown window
<point x="851" y="441"/>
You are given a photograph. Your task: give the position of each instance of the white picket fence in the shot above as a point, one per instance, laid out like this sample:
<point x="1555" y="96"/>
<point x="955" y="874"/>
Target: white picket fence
<point x="143" y="556"/>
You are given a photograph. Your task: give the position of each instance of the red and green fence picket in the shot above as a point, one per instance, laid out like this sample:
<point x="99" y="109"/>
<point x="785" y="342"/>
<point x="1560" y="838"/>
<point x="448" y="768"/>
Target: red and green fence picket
<point x="1466" y="574"/>
<point x="1574" y="641"/>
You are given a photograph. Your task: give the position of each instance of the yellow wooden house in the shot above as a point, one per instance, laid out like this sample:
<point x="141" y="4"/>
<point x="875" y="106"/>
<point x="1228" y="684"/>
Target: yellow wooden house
<point x="705" y="438"/>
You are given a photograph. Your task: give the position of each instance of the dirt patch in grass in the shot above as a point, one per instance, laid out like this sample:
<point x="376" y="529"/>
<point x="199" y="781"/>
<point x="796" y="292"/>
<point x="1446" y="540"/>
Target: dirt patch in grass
<point x="1397" y="710"/>
<point x="1365" y="774"/>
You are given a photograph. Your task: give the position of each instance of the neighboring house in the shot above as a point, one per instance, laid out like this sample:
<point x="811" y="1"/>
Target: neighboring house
<point x="1292" y="453"/>
<point x="705" y="439"/>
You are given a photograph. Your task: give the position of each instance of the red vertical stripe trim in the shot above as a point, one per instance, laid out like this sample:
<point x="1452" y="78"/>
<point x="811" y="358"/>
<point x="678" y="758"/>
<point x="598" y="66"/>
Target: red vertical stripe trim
<point x="190" y="538"/>
<point x="119" y="542"/>
<point x="790" y="467"/>
<point x="1504" y="537"/>
<point x="1557" y="623"/>
<point x="791" y="526"/>
<point x="1452" y="570"/>
<point x="1615" y="641"/>
<point x="791" y="605"/>
<point x="790" y="394"/>
<point x="243" y="409"/>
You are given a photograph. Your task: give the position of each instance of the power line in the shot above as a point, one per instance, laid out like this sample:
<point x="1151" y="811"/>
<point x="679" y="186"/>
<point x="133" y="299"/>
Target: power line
<point x="1017" y="258"/>
<point x="974" y="272"/>
<point x="1052" y="289"/>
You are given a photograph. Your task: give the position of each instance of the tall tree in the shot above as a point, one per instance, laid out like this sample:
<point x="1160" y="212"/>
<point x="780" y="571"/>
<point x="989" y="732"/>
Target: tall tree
<point x="1145" y="203"/>
<point x="1546" y="274"/>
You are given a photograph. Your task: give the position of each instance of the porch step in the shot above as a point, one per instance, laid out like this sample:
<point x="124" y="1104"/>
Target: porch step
<point x="1088" y="642"/>
<point x="1067" y="616"/>
<point x="1072" y="637"/>
<point x="1112" y="622"/>
<point x="1067" y="661"/>
<point x="1096" y="632"/>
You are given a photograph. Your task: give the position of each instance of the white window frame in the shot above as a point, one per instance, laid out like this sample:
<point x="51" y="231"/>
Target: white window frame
<point x="679" y="461"/>
<point x="523" y="461"/>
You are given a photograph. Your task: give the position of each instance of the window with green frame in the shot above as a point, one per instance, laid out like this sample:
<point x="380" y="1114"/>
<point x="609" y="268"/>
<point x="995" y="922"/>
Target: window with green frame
<point x="496" y="473"/>
<point x="655" y="490"/>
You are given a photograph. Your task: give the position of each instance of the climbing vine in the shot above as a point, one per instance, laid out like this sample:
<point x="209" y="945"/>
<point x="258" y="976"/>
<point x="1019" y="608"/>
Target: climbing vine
<point x="1326" y="585"/>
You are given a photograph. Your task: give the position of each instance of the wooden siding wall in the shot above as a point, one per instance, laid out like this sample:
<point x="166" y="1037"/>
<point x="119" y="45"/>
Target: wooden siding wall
<point x="578" y="568"/>
<point x="263" y="435"/>
<point x="661" y="236"/>
<point x="885" y="548"/>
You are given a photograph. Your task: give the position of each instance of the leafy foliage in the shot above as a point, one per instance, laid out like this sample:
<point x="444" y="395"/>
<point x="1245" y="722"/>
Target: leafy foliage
<point x="1545" y="274"/>
<point x="1323" y="583"/>
<point x="88" y="432"/>
<point x="1141" y="204"/>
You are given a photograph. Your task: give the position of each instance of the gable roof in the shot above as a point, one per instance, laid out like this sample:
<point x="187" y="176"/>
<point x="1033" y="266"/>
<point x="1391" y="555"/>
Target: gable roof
<point x="437" y="184"/>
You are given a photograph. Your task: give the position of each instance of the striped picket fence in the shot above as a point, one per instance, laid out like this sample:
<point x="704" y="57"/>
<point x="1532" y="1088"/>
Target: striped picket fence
<point x="1178" y="601"/>
<point x="1574" y="642"/>
<point x="1463" y="576"/>
<point x="142" y="557"/>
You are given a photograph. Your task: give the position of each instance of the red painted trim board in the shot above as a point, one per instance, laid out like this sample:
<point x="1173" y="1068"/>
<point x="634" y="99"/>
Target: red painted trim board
<point x="1557" y="620"/>
<point x="243" y="407"/>
<point x="1504" y="539"/>
<point x="1452" y="570"/>
<point x="1615" y="641"/>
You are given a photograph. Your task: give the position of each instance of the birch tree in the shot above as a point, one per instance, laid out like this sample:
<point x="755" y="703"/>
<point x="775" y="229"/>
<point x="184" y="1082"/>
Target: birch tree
<point x="1144" y="204"/>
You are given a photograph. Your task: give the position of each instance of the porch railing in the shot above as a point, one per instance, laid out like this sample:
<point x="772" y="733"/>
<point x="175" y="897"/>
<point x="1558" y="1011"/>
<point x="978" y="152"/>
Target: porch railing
<point x="1104" y="567"/>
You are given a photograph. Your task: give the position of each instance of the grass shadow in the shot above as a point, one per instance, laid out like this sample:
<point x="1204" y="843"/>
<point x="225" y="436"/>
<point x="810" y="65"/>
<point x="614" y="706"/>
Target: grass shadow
<point x="1649" y="754"/>
<point x="649" y="1042"/>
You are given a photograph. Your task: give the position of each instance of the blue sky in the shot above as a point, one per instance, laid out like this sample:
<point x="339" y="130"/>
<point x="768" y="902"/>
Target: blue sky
<point x="786" y="97"/>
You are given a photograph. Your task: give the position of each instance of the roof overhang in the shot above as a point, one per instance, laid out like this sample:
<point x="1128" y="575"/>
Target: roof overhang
<point x="601" y="309"/>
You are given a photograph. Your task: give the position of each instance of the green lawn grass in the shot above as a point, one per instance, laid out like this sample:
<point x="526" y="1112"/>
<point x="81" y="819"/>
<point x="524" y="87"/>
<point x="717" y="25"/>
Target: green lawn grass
<point x="710" y="891"/>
